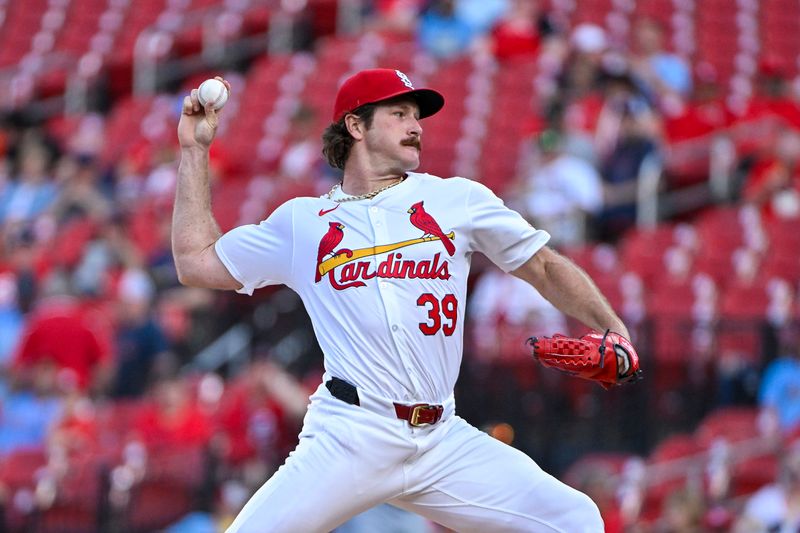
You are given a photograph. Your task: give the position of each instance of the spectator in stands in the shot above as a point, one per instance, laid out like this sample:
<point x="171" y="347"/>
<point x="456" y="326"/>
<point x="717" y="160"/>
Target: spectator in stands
<point x="635" y="142"/>
<point x="772" y="80"/>
<point x="395" y="17"/>
<point x="774" y="93"/>
<point x="482" y="15"/>
<point x="73" y="337"/>
<point x="106" y="252"/>
<point x="519" y="33"/>
<point x="623" y="97"/>
<point x="262" y="410"/>
<point x="5" y="169"/>
<point x="441" y="33"/>
<point x="667" y="74"/>
<point x="19" y="255"/>
<point x="774" y="183"/>
<point x="159" y="184"/>
<point x="128" y="176"/>
<point x="11" y="319"/>
<point x="574" y="106"/>
<point x="563" y="192"/>
<point x="172" y="419"/>
<point x="30" y="410"/>
<point x="76" y="431"/>
<point x="703" y="114"/>
<point x="79" y="193"/>
<point x="87" y="138"/>
<point x="775" y="507"/>
<point x="230" y="500"/>
<point x="191" y="319"/>
<point x="174" y="312"/>
<point x="300" y="160"/>
<point x="31" y="191"/>
<point x="779" y="393"/>
<point x="682" y="512"/>
<point x="159" y="260"/>
<point x="140" y="341"/>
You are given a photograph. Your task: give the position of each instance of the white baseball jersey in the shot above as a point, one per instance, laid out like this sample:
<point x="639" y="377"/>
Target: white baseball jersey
<point x="384" y="280"/>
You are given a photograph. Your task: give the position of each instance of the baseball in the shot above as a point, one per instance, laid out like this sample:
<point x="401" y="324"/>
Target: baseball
<point x="212" y="92"/>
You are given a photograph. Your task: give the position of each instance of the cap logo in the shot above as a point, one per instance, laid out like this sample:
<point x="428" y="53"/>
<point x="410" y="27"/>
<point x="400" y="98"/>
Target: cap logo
<point x="404" y="79"/>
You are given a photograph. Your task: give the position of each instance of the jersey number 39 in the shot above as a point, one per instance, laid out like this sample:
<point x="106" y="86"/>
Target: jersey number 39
<point x="441" y="316"/>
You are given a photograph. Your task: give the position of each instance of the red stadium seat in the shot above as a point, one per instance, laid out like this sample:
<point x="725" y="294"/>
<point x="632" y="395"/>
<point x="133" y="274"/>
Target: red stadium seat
<point x="672" y="322"/>
<point x="781" y="266"/>
<point x="718" y="226"/>
<point x="69" y="245"/>
<point x="783" y="236"/>
<point x="76" y="507"/>
<point x="753" y="473"/>
<point x="256" y="19"/>
<point x="227" y="203"/>
<point x="323" y="15"/>
<point x="115" y="421"/>
<point x="742" y="315"/>
<point x="733" y="424"/>
<point x="168" y="490"/>
<point x="18" y="468"/>
<point x="658" y="9"/>
<point x="676" y="446"/>
<point x="642" y="251"/>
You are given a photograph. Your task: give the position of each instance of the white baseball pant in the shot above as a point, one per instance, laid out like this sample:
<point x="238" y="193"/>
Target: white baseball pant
<point x="350" y="458"/>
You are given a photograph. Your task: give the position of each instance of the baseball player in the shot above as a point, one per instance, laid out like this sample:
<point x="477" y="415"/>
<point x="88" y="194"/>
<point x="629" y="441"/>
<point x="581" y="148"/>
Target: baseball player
<point x="381" y="264"/>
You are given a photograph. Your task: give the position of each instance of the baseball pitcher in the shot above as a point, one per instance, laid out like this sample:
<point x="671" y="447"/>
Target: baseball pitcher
<point x="381" y="264"/>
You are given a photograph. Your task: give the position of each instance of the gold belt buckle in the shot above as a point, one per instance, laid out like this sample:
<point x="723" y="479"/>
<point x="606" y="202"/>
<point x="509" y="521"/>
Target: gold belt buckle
<point x="415" y="414"/>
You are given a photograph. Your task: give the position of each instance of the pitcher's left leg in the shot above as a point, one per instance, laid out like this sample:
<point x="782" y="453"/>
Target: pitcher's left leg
<point x="471" y="482"/>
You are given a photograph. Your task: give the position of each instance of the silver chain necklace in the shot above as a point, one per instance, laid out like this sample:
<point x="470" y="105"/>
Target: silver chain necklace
<point x="365" y="196"/>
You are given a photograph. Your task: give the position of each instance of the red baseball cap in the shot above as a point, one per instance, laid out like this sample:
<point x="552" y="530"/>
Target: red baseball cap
<point x="378" y="84"/>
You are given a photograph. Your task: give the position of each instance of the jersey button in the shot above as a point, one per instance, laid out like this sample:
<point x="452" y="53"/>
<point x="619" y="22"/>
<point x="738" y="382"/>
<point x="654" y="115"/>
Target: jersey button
<point x="384" y="285"/>
<point x="394" y="328"/>
<point x="373" y="209"/>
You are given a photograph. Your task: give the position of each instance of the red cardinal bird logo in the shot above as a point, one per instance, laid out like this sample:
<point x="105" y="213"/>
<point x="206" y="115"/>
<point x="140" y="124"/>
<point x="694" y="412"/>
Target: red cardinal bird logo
<point x="424" y="221"/>
<point x="329" y="242"/>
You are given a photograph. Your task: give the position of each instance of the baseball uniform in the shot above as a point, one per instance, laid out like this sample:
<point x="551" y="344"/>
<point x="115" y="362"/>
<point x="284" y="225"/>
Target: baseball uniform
<point x="384" y="280"/>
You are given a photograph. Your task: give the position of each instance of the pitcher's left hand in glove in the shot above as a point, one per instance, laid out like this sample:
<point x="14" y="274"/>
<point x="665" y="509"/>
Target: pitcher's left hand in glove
<point x="609" y="359"/>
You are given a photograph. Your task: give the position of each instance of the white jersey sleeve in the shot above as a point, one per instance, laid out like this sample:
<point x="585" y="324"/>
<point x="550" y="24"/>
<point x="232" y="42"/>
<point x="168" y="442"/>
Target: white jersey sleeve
<point x="262" y="254"/>
<point x="500" y="233"/>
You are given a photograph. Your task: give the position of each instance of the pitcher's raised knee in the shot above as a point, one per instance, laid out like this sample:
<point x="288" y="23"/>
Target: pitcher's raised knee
<point x="586" y="517"/>
<point x="560" y="508"/>
<point x="579" y="515"/>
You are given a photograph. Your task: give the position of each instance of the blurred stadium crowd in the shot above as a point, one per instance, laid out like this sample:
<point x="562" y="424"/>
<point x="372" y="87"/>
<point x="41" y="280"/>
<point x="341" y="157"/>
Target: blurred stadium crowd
<point x="657" y="141"/>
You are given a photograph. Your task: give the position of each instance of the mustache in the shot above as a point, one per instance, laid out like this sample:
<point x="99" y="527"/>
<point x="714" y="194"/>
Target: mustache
<point x="412" y="141"/>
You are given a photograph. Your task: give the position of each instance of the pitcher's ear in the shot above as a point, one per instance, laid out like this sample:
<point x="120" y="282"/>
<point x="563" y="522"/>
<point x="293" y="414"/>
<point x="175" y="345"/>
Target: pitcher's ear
<point x="354" y="126"/>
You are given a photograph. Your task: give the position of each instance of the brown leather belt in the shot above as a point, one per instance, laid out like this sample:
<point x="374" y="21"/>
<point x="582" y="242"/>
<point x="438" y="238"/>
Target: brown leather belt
<point x="419" y="414"/>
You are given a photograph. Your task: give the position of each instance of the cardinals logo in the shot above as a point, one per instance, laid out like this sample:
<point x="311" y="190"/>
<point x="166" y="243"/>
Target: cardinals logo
<point x="330" y="241"/>
<point x="424" y="221"/>
<point x="354" y="272"/>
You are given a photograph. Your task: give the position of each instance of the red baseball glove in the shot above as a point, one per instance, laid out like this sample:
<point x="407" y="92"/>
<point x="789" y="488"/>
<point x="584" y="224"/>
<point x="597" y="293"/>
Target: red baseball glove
<point x="608" y="359"/>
